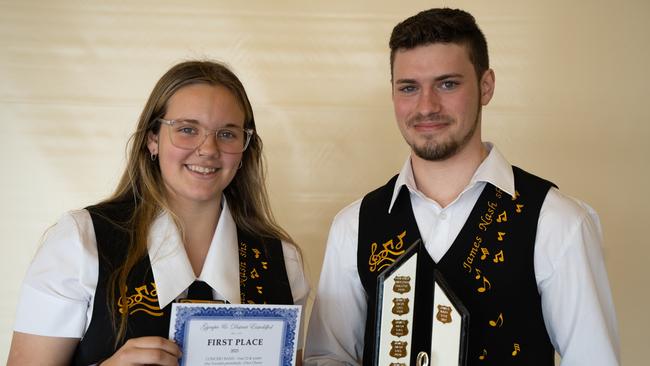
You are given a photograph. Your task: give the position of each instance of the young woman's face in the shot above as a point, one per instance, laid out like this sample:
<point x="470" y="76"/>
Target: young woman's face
<point x="198" y="175"/>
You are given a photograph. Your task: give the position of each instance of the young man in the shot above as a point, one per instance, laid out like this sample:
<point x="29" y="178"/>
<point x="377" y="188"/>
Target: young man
<point x="524" y="258"/>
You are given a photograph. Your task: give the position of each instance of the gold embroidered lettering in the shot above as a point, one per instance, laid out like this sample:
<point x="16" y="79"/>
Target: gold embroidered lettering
<point x="242" y="249"/>
<point x="242" y="272"/>
<point x="473" y="251"/>
<point x="467" y="267"/>
<point x="486" y="219"/>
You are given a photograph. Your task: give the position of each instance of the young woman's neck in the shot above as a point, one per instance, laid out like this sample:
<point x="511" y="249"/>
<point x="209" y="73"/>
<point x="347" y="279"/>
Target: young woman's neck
<point x="199" y="221"/>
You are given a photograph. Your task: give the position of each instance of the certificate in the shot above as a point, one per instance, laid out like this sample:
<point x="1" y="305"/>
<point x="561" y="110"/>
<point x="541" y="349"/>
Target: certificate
<point x="232" y="334"/>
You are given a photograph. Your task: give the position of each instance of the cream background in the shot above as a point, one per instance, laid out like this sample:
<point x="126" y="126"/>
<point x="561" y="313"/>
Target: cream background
<point x="570" y="102"/>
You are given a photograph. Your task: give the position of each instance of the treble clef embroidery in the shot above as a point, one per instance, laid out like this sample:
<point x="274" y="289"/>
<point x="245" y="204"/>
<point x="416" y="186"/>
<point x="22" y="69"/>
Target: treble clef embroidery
<point x="387" y="255"/>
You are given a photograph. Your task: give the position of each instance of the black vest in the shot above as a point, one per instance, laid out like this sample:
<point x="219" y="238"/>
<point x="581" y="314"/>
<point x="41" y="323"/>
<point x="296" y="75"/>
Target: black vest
<point x="490" y="267"/>
<point x="263" y="279"/>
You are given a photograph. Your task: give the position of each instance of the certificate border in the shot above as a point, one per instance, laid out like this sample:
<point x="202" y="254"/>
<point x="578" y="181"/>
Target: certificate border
<point x="289" y="317"/>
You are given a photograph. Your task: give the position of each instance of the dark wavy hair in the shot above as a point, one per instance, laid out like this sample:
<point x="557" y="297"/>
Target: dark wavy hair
<point x="441" y="25"/>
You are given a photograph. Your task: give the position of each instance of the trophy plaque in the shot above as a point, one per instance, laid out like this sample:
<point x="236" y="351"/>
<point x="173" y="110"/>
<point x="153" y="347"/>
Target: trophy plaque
<point x="419" y="320"/>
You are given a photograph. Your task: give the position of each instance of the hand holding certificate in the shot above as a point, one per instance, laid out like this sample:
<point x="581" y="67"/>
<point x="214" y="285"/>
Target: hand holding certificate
<point x="229" y="334"/>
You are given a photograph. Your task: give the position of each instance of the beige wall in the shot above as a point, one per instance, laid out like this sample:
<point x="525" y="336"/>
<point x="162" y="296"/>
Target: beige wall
<point x="572" y="87"/>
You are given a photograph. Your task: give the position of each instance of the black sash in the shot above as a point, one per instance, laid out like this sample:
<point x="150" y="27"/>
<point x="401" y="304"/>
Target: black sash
<point x="490" y="267"/>
<point x="263" y="279"/>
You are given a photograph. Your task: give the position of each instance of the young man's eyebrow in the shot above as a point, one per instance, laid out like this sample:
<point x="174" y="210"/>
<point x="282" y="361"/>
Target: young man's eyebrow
<point x="437" y="78"/>
<point x="448" y="76"/>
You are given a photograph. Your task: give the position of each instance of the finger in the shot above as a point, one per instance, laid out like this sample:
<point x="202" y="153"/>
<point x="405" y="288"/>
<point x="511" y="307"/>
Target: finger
<point x="155" y="343"/>
<point x="147" y="356"/>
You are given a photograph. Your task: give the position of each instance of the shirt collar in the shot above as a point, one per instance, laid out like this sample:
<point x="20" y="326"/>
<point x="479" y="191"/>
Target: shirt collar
<point x="494" y="169"/>
<point x="171" y="267"/>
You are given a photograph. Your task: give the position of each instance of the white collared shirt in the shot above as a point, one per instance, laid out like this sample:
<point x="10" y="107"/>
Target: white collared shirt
<point x="57" y="295"/>
<point x="569" y="270"/>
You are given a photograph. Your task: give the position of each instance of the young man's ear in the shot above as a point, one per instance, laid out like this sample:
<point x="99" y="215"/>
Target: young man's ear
<point x="487" y="86"/>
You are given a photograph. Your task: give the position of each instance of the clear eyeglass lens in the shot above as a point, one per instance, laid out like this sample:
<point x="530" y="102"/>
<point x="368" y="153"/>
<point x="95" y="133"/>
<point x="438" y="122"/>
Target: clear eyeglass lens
<point x="189" y="136"/>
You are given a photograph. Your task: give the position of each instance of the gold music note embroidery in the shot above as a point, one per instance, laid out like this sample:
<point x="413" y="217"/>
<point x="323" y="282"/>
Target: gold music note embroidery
<point x="386" y="256"/>
<point x="517" y="349"/>
<point x="483" y="355"/>
<point x="503" y="217"/>
<point x="486" y="285"/>
<point x="485" y="253"/>
<point x="257" y="253"/>
<point x="500" y="235"/>
<point x="259" y="289"/>
<point x="498" y="322"/>
<point x="519" y="207"/>
<point x="265" y="265"/>
<point x="516" y="195"/>
<point x="478" y="273"/>
<point x="498" y="257"/>
<point x="254" y="273"/>
<point x="144" y="300"/>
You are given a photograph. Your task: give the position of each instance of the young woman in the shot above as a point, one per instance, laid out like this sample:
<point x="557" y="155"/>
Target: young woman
<point x="190" y="212"/>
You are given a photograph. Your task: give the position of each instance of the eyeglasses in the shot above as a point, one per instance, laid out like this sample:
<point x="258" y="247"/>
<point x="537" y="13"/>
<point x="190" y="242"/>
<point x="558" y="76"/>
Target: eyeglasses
<point x="189" y="135"/>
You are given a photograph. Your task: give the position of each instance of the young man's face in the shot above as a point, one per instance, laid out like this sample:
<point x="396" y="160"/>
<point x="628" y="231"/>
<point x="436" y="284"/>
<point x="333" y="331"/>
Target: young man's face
<point x="437" y="99"/>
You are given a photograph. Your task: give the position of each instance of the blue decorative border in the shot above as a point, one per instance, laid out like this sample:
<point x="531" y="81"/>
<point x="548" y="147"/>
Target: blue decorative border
<point x="289" y="317"/>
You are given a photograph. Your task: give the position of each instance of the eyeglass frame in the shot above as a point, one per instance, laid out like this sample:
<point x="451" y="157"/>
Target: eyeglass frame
<point x="170" y="122"/>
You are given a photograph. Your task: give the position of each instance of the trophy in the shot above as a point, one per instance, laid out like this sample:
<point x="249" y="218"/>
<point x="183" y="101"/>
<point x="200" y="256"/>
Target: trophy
<point x="419" y="320"/>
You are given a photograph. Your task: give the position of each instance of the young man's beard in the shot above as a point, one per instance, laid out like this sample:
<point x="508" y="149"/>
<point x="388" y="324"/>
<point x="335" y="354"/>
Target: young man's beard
<point x="432" y="151"/>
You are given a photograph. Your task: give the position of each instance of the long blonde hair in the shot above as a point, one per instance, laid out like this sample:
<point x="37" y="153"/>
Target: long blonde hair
<point x="142" y="182"/>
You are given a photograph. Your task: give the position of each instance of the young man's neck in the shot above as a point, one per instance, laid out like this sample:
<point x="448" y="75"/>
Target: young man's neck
<point x="443" y="181"/>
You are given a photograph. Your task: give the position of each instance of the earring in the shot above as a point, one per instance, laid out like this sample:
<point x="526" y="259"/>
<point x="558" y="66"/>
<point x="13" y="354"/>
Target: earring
<point x="154" y="157"/>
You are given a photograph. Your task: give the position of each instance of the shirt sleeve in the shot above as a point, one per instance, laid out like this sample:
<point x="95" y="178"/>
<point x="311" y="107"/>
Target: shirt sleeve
<point x="60" y="282"/>
<point x="336" y="326"/>
<point x="572" y="279"/>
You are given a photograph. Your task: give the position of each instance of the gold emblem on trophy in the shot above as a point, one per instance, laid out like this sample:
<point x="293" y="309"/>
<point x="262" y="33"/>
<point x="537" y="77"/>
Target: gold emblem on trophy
<point x="402" y="284"/>
<point x="444" y="314"/>
<point x="400" y="328"/>
<point x="400" y="306"/>
<point x="398" y="349"/>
